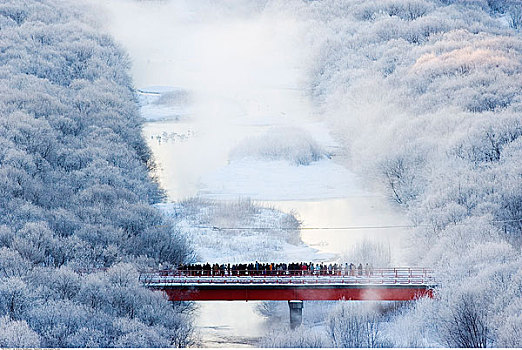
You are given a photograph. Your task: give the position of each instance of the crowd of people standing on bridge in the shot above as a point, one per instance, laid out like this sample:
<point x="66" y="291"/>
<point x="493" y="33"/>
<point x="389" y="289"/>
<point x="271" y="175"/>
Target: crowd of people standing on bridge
<point x="274" y="269"/>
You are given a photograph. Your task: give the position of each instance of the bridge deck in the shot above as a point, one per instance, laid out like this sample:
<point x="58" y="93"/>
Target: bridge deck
<point x="382" y="284"/>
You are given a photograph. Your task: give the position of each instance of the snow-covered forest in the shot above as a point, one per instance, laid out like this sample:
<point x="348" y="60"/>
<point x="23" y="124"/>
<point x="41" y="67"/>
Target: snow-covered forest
<point x="424" y="98"/>
<point x="76" y="195"/>
<point x="427" y="98"/>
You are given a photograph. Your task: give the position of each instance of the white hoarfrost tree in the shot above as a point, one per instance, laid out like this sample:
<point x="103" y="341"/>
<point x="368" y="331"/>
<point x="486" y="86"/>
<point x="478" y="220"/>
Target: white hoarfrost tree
<point x="466" y="325"/>
<point x="302" y="337"/>
<point x="356" y="326"/>
<point x="15" y="298"/>
<point x="426" y="97"/>
<point x="17" y="334"/>
<point x="76" y="194"/>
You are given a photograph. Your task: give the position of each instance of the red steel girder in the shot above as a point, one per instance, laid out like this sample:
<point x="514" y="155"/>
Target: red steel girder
<point x="353" y="292"/>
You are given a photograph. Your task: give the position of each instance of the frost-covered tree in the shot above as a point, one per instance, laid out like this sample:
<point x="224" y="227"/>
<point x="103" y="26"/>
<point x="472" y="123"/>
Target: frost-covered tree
<point x="426" y="96"/>
<point x="356" y="326"/>
<point x="15" y="298"/>
<point x="17" y="334"/>
<point x="76" y="191"/>
<point x="302" y="337"/>
<point x="466" y="326"/>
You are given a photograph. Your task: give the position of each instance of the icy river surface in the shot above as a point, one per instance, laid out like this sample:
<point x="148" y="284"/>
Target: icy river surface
<point x="224" y="90"/>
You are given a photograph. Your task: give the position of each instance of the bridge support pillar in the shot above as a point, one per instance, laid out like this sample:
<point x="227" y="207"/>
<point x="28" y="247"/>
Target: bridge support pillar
<point x="296" y="313"/>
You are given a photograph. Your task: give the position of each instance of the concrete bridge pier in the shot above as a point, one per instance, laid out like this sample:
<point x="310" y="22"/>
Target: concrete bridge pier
<point x="296" y="313"/>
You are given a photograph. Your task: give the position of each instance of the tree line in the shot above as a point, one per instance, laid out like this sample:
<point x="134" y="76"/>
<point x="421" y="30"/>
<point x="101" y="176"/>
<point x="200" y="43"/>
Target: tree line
<point x="426" y="96"/>
<point x="76" y="190"/>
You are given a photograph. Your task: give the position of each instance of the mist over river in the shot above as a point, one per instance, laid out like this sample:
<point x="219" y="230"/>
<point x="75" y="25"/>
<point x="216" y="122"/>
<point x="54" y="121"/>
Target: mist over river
<point x="231" y="78"/>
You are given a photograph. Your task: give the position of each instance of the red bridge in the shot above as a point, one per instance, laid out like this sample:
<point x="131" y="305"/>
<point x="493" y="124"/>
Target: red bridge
<point x="379" y="284"/>
<point x="294" y="285"/>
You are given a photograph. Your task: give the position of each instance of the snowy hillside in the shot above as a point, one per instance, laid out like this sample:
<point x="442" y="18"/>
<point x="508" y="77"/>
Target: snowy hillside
<point x="76" y="217"/>
<point x="427" y="98"/>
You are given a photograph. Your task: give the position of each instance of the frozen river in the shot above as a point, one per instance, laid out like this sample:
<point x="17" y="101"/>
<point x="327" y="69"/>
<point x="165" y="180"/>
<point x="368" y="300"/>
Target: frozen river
<point x="217" y="83"/>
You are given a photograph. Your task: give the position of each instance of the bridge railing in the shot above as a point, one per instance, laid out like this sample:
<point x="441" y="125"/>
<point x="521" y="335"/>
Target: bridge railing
<point x="385" y="276"/>
<point x="397" y="272"/>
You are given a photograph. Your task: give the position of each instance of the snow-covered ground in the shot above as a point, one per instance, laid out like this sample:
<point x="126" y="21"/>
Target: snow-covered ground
<point x="279" y="181"/>
<point x="164" y="103"/>
<point x="211" y="228"/>
<point x="248" y="161"/>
